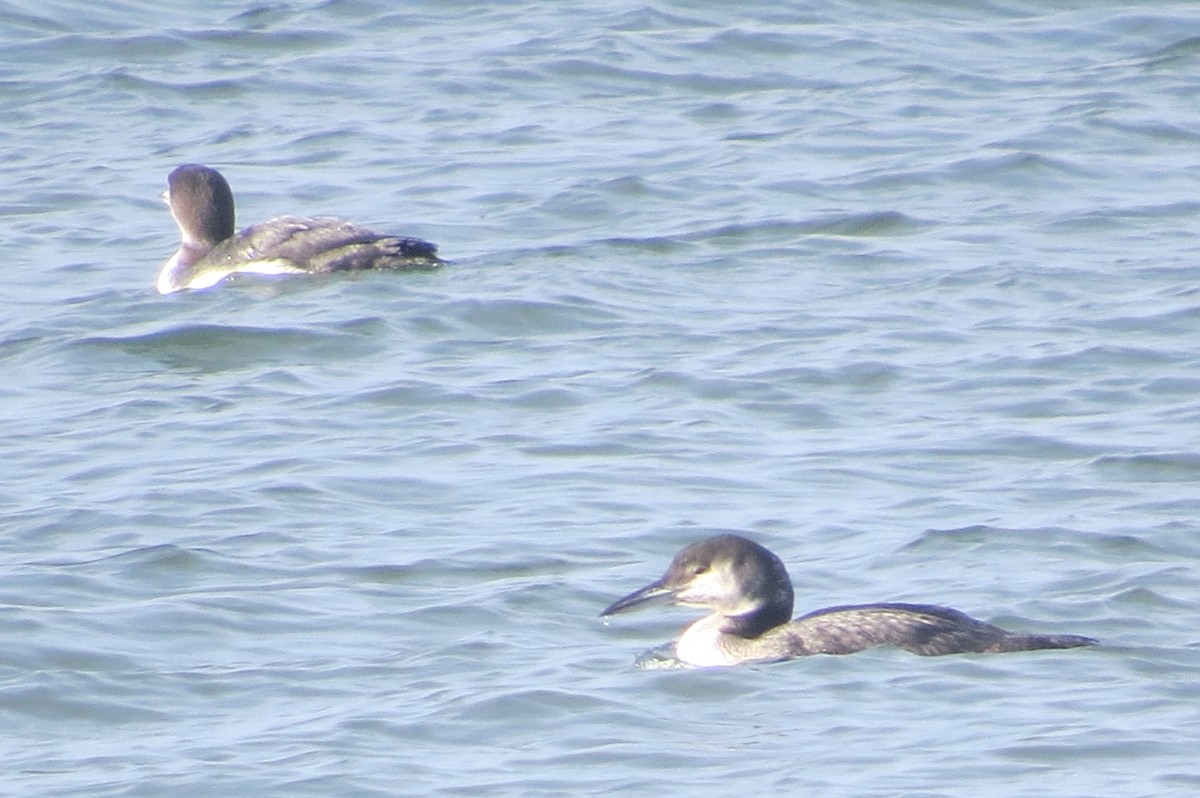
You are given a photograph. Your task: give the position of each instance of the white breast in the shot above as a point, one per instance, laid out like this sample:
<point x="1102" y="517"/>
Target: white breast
<point x="700" y="645"/>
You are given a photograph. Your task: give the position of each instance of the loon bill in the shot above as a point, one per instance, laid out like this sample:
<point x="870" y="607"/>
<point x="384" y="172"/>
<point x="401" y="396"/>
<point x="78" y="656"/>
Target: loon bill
<point x="748" y="591"/>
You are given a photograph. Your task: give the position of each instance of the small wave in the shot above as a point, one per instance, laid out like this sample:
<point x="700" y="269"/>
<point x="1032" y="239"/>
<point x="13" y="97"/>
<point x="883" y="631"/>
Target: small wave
<point x="1024" y="165"/>
<point x="214" y="347"/>
<point x="1150" y="467"/>
<point x="525" y="317"/>
<point x="853" y="225"/>
<point x="1173" y="54"/>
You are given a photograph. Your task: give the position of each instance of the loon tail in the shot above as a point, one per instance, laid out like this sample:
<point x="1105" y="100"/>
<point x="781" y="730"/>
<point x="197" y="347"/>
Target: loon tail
<point x="1020" y="642"/>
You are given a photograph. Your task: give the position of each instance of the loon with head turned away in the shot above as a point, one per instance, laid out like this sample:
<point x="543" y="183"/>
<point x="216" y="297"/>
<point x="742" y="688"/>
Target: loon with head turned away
<point x="747" y="589"/>
<point x="201" y="203"/>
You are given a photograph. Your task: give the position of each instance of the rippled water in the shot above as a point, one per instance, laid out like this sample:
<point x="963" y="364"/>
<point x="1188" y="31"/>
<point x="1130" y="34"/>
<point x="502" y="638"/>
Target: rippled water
<point x="905" y="291"/>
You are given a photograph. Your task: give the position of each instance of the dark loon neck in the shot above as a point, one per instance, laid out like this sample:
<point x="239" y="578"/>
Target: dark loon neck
<point x="191" y="254"/>
<point x="765" y="583"/>
<point x="764" y="619"/>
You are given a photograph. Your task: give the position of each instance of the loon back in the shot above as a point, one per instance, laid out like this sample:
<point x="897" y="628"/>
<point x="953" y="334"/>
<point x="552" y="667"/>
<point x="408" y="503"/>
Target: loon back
<point x="323" y="245"/>
<point x="920" y="628"/>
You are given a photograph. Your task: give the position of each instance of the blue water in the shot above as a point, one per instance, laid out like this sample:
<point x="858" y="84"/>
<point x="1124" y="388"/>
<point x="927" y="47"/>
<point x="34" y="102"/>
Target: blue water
<point x="905" y="291"/>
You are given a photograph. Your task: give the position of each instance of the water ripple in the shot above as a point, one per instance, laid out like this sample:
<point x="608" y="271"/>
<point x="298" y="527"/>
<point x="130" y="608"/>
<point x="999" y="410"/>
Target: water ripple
<point x="908" y="295"/>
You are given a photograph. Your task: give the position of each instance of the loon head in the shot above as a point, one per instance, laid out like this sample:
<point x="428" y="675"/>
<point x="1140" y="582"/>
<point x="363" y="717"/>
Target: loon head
<point x="201" y="203"/>
<point x="738" y="580"/>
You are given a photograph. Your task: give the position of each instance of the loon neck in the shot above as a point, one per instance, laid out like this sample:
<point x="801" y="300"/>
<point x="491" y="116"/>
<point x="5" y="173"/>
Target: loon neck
<point x="719" y="639"/>
<point x="757" y="622"/>
<point x="712" y="642"/>
<point x="178" y="272"/>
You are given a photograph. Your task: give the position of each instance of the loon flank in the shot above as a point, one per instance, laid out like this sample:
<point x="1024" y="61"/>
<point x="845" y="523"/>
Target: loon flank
<point x="202" y="205"/>
<point x="747" y="589"/>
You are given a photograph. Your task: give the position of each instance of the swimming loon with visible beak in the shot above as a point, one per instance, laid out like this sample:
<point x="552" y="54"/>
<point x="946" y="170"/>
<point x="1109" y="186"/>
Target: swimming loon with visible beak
<point x="750" y="595"/>
<point x="201" y="203"/>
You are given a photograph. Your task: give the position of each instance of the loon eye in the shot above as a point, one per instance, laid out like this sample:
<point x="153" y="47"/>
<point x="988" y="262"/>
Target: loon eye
<point x="700" y="569"/>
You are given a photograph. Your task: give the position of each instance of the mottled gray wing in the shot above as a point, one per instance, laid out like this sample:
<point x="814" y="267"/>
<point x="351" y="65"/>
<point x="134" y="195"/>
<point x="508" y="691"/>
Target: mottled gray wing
<point x="326" y="245"/>
<point x="919" y="628"/>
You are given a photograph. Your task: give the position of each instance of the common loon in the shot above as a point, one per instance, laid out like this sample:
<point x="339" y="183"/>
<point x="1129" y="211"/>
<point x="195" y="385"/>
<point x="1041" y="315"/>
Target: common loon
<point x="750" y="595"/>
<point x="202" y="205"/>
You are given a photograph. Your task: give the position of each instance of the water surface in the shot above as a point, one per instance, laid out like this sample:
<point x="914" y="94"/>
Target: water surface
<point x="904" y="291"/>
